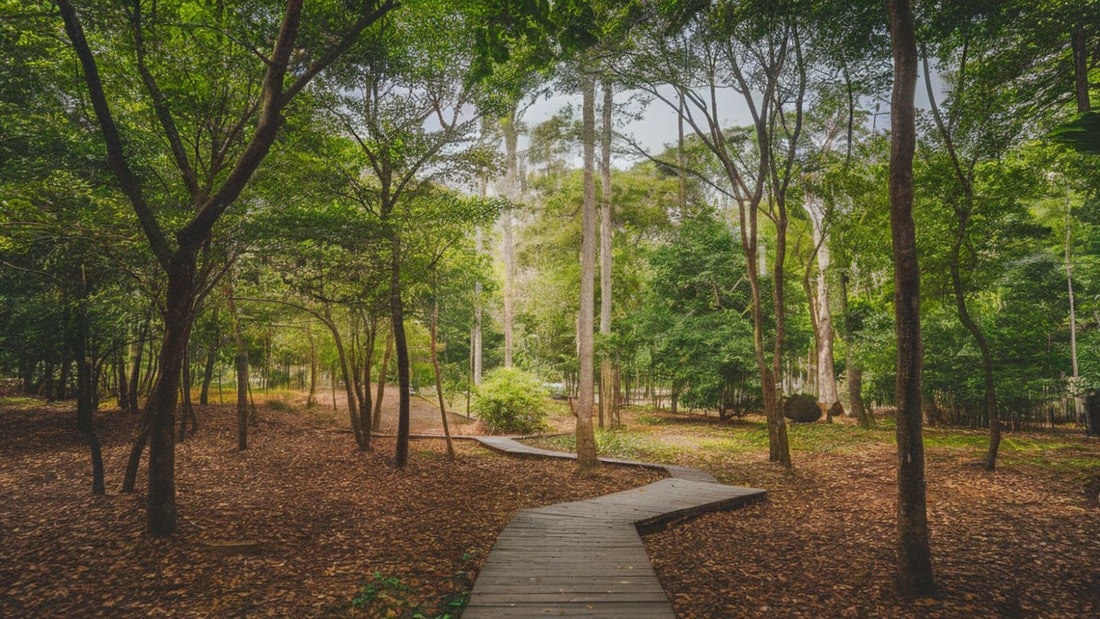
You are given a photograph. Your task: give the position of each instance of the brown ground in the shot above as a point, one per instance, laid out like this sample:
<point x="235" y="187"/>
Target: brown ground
<point x="1021" y="542"/>
<point x="296" y="526"/>
<point x="323" y="519"/>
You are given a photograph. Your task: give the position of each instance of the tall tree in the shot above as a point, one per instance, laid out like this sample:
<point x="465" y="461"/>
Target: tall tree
<point x="150" y="34"/>
<point x="914" y="567"/>
<point x="757" y="54"/>
<point x="586" y="440"/>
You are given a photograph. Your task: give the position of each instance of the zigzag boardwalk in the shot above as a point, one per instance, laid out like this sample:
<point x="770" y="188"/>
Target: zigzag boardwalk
<point x="586" y="558"/>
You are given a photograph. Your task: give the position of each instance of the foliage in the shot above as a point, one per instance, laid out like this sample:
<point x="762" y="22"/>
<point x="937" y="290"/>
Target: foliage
<point x="511" y="401"/>
<point x="802" y="408"/>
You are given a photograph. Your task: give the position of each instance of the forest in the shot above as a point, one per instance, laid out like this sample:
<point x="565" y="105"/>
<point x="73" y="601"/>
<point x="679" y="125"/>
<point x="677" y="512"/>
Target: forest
<point x="379" y="215"/>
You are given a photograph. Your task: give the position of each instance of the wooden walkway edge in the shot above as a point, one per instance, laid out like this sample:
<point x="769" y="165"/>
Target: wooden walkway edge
<point x="586" y="558"/>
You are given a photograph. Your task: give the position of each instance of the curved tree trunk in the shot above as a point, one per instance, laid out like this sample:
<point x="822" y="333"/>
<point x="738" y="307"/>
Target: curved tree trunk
<point x="983" y="347"/>
<point x="401" y="347"/>
<point x="362" y="435"/>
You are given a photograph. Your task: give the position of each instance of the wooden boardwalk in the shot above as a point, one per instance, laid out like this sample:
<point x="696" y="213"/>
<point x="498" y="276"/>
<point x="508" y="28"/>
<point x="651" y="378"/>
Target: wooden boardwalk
<point x="586" y="558"/>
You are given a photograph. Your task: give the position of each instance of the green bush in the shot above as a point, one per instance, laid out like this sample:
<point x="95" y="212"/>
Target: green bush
<point x="802" y="408"/>
<point x="510" y="401"/>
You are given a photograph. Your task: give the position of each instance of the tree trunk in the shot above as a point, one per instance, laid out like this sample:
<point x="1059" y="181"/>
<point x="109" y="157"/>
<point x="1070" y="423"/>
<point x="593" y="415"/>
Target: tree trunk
<point x="62" y="388"/>
<point x="856" y="406"/>
<point x="586" y="439"/>
<point x="208" y="374"/>
<point x="187" y="412"/>
<point x="511" y="186"/>
<point x="608" y="399"/>
<point x="983" y="345"/>
<point x="135" y="367"/>
<point x="86" y="395"/>
<point x="383" y="372"/>
<point x="368" y="362"/>
<point x="121" y="393"/>
<point x="1075" y="378"/>
<point x="1079" y="43"/>
<point x="401" y="347"/>
<point x="821" y="310"/>
<point x="362" y="435"/>
<point x="914" y="556"/>
<point x="241" y="366"/>
<point x="439" y="380"/>
<point x="475" y="328"/>
<point x="161" y="500"/>
<point x="314" y="370"/>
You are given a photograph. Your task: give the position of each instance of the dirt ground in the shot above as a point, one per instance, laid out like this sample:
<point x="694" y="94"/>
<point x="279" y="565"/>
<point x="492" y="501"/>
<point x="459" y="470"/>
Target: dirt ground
<point x="300" y="525"/>
<point x="1023" y="541"/>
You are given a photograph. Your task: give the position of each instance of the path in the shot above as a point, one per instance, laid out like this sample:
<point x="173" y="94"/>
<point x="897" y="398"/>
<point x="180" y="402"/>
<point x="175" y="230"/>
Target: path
<point x="586" y="558"/>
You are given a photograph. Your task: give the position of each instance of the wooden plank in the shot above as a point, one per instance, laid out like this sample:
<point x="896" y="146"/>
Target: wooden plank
<point x="585" y="558"/>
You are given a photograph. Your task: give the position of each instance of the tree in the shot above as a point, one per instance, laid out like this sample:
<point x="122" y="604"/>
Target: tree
<point x="209" y="186"/>
<point x="408" y="113"/>
<point x="914" y="555"/>
<point x="758" y="56"/>
<point x="586" y="439"/>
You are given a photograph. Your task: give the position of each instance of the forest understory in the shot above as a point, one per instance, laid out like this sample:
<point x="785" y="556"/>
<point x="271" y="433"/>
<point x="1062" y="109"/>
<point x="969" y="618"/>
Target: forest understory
<point x="301" y="524"/>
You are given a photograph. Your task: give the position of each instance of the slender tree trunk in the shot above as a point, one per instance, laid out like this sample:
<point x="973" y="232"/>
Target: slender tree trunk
<point x="241" y="365"/>
<point x="135" y="367"/>
<point x="383" y="373"/>
<point x="362" y="435"/>
<point x="511" y="190"/>
<point x="439" y="380"/>
<point x="914" y="556"/>
<point x="122" y="391"/>
<point x="608" y="399"/>
<point x="187" y="412"/>
<point x="314" y="370"/>
<point x="62" y="392"/>
<point x="86" y="396"/>
<point x="401" y="347"/>
<point x="368" y="362"/>
<point x="983" y="345"/>
<point x="821" y="310"/>
<point x="1075" y="378"/>
<point x="208" y="373"/>
<point x="586" y="439"/>
<point x="475" y="329"/>
<point x="854" y="370"/>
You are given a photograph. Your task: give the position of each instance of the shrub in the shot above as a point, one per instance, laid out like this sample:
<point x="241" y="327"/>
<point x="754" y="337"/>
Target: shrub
<point x="510" y="401"/>
<point x="802" y="408"/>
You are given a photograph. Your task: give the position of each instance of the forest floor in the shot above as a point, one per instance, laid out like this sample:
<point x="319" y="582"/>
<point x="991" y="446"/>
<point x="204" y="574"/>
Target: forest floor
<point x="302" y="524"/>
<point x="1023" y="541"/>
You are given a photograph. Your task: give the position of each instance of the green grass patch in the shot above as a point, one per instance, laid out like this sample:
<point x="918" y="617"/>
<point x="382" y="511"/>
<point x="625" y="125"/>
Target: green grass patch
<point x="389" y="596"/>
<point x="20" y="401"/>
<point x="835" y="437"/>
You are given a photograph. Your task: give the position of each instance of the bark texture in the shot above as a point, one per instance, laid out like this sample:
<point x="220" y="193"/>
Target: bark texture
<point x="914" y="556"/>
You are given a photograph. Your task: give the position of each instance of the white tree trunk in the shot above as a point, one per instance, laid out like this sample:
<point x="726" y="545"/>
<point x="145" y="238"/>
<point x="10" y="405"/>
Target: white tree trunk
<point x="511" y="191"/>
<point x="608" y="395"/>
<point x="826" y="378"/>
<point x="586" y="440"/>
